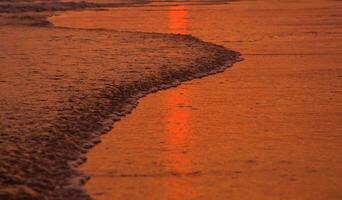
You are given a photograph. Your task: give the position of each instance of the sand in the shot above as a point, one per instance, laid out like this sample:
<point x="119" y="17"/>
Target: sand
<point x="61" y="88"/>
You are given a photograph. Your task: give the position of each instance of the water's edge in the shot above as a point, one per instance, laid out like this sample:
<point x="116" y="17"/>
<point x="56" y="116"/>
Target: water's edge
<point x="126" y="108"/>
<point x="130" y="102"/>
<point x="123" y="101"/>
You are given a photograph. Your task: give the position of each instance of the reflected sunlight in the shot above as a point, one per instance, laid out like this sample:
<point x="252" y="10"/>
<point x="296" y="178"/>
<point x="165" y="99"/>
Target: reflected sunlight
<point x="178" y="127"/>
<point x="178" y="19"/>
<point x="179" y="139"/>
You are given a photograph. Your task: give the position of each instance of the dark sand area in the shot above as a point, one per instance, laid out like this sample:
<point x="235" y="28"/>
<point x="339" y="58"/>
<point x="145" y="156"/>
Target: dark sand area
<point x="61" y="88"/>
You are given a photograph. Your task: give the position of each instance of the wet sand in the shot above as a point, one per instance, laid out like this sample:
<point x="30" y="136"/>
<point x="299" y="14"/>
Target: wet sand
<point x="61" y="88"/>
<point x="268" y="128"/>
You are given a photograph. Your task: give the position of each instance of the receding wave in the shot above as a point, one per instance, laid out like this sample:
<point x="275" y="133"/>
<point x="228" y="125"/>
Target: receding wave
<point x="61" y="88"/>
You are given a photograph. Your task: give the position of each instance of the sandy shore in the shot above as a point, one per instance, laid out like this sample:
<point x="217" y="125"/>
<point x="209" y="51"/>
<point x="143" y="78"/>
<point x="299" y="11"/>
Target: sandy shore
<point x="60" y="88"/>
<point x="268" y="128"/>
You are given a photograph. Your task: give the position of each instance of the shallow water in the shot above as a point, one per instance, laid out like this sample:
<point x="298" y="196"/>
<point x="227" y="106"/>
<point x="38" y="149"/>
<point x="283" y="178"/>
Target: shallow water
<point x="268" y="128"/>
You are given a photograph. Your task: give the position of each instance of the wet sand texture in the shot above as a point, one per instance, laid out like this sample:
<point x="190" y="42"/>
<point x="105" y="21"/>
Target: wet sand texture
<point x="59" y="86"/>
<point x="271" y="127"/>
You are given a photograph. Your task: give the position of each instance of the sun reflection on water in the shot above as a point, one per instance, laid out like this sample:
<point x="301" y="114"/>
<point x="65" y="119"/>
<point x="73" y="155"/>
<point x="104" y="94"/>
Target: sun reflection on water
<point x="178" y="19"/>
<point x="179" y="141"/>
<point x="178" y="124"/>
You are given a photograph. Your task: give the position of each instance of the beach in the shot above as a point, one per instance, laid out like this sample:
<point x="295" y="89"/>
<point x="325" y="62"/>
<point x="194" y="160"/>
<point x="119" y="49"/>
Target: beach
<point x="267" y="128"/>
<point x="82" y="114"/>
<point x="61" y="88"/>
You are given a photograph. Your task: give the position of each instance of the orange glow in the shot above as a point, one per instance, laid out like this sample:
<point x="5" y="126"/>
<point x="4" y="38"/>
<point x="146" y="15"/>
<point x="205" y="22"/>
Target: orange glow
<point x="179" y="140"/>
<point x="178" y="19"/>
<point x="178" y="119"/>
<point x="178" y="124"/>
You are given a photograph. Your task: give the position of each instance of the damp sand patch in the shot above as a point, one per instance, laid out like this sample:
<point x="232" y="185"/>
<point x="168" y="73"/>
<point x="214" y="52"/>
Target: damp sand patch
<point x="61" y="88"/>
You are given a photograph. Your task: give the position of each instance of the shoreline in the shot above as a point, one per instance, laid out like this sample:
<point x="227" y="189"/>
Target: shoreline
<point x="126" y="103"/>
<point x="127" y="108"/>
<point x="223" y="136"/>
